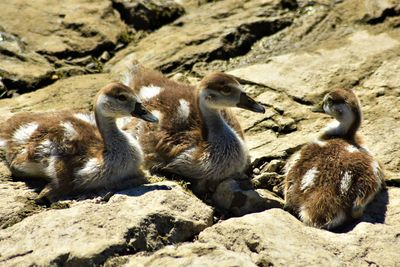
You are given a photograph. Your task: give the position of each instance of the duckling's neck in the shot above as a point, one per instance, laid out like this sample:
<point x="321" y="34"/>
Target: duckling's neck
<point x="213" y="124"/>
<point x="344" y="127"/>
<point x="115" y="141"/>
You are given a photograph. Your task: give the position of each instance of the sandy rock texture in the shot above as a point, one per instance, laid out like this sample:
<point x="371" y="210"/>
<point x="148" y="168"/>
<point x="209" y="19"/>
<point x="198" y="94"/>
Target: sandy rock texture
<point x="274" y="237"/>
<point x="287" y="54"/>
<point x="86" y="233"/>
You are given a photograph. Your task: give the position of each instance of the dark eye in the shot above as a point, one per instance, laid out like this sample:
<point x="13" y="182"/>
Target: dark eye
<point x="328" y="101"/>
<point x="226" y="91"/>
<point x="121" y="97"/>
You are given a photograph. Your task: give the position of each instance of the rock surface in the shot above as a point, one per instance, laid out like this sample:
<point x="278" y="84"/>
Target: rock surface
<point x="148" y="15"/>
<point x="276" y="238"/>
<point x="197" y="254"/>
<point x="144" y="218"/>
<point x="230" y="30"/>
<point x="287" y="53"/>
<point x="73" y="93"/>
<point x="19" y="65"/>
<point x="62" y="28"/>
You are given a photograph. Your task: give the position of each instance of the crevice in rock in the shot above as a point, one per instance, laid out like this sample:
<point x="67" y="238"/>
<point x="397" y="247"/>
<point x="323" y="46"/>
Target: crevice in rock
<point x="235" y="43"/>
<point x="96" y="52"/>
<point x="147" y="15"/>
<point x="239" y="41"/>
<point x="390" y="12"/>
<point x="20" y="86"/>
<point x="152" y="234"/>
<point x="301" y="101"/>
<point x="16" y="256"/>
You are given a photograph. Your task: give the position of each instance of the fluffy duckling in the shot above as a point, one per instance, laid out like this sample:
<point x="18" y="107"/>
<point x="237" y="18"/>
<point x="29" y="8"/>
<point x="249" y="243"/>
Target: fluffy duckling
<point x="77" y="152"/>
<point x="198" y="138"/>
<point x="334" y="178"/>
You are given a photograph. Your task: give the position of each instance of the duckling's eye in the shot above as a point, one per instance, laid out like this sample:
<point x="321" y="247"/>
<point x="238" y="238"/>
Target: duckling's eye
<point x="226" y="91"/>
<point x="329" y="101"/>
<point x="121" y="97"/>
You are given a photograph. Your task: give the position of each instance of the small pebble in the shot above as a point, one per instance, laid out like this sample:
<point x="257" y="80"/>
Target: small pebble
<point x="105" y="56"/>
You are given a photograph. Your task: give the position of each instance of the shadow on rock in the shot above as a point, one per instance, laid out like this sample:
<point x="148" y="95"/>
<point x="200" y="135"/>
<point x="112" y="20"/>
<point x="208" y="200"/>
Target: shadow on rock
<point x="141" y="190"/>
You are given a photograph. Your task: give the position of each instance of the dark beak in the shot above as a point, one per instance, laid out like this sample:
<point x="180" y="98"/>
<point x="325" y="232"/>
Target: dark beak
<point x="248" y="103"/>
<point x="144" y="114"/>
<point x="319" y="107"/>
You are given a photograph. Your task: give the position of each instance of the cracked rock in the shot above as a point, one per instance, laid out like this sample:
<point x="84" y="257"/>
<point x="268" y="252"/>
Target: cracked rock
<point x="143" y="218"/>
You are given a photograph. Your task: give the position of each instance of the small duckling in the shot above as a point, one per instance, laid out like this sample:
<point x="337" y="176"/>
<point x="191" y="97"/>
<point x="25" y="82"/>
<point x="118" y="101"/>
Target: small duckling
<point x="333" y="179"/>
<point x="198" y="138"/>
<point x="77" y="152"/>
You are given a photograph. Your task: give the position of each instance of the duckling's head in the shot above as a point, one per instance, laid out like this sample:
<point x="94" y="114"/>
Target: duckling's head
<point x="341" y="104"/>
<point x="219" y="90"/>
<point x="116" y="100"/>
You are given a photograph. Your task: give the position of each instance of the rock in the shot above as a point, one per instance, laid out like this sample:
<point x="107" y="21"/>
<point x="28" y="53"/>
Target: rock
<point x="231" y="196"/>
<point x="105" y="56"/>
<point x="21" y="69"/>
<point x="230" y="31"/>
<point x="269" y="180"/>
<point x="274" y="165"/>
<point x="148" y="15"/>
<point x="308" y="82"/>
<point x="376" y="11"/>
<point x="286" y="53"/>
<point x="62" y="28"/>
<point x="16" y="200"/>
<point x="382" y="114"/>
<point x="73" y="93"/>
<point x="17" y="203"/>
<point x="142" y="218"/>
<point x="277" y="237"/>
<point x="196" y="254"/>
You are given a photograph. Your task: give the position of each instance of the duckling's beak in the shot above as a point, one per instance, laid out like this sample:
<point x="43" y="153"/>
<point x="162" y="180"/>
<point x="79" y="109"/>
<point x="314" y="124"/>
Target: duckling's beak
<point x="144" y="114"/>
<point x="319" y="107"/>
<point x="249" y="103"/>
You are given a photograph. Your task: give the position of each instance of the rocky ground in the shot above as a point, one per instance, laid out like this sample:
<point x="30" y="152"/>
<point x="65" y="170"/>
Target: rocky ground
<point x="287" y="53"/>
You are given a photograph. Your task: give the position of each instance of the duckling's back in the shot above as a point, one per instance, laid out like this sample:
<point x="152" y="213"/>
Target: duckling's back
<point x="176" y="106"/>
<point x="328" y="180"/>
<point x="49" y="145"/>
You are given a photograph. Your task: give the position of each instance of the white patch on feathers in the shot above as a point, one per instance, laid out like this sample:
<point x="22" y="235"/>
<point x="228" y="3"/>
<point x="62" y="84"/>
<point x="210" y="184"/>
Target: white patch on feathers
<point x="345" y="182"/>
<point x="89" y="118"/>
<point x="351" y="149"/>
<point x="320" y="142"/>
<point x="308" y="178"/>
<point x="3" y="143"/>
<point x="24" y="132"/>
<point x="183" y="109"/>
<point x="148" y="92"/>
<point x="90" y="169"/>
<point x="69" y="130"/>
<point x="47" y="148"/>
<point x="51" y="169"/>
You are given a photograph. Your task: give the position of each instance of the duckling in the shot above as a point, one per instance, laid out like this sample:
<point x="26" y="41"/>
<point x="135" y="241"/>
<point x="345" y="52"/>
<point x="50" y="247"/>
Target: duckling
<point x="197" y="138"/>
<point x="77" y="152"/>
<point x="333" y="179"/>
